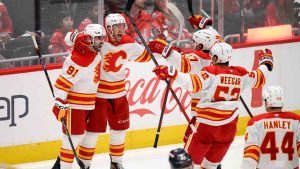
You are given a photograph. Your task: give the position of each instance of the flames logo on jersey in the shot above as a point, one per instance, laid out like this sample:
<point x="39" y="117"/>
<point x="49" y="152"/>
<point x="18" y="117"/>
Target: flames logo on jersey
<point x="97" y="73"/>
<point x="110" y="61"/>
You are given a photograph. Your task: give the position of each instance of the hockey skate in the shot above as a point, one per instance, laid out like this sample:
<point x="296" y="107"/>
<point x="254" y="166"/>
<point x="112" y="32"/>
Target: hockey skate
<point x="114" y="165"/>
<point x="56" y="164"/>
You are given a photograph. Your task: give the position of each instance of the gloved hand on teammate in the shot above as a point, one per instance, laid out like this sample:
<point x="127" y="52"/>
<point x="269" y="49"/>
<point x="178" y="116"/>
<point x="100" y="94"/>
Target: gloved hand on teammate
<point x="162" y="47"/>
<point x="199" y="22"/>
<point x="60" y="109"/>
<point x="165" y="72"/>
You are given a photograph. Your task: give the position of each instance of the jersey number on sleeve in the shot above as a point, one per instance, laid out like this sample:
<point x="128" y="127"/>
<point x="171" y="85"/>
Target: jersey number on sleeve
<point x="223" y="93"/>
<point x="269" y="146"/>
<point x="72" y="71"/>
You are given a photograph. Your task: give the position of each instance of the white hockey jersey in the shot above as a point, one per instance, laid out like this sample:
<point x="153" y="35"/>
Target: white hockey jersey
<point x="78" y="82"/>
<point x="113" y="64"/>
<point x="190" y="63"/>
<point x="272" y="141"/>
<point x="221" y="88"/>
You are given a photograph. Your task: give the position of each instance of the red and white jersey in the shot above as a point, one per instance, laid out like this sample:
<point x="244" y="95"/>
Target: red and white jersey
<point x="221" y="88"/>
<point x="272" y="141"/>
<point x="115" y="56"/>
<point x="191" y="62"/>
<point x="78" y="82"/>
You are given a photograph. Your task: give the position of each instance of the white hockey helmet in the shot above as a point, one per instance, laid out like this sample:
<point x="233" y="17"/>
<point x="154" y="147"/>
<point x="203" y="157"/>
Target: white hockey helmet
<point x="94" y="30"/>
<point x="113" y="19"/>
<point x="223" y="52"/>
<point x="273" y="96"/>
<point x="206" y="37"/>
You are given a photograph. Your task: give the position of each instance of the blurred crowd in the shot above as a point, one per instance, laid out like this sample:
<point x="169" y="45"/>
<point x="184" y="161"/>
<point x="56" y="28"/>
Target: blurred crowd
<point x="153" y="18"/>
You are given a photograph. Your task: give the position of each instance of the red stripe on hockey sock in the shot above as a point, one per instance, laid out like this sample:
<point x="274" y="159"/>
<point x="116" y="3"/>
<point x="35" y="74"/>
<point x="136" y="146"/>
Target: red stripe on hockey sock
<point x="116" y="150"/>
<point x="86" y="153"/>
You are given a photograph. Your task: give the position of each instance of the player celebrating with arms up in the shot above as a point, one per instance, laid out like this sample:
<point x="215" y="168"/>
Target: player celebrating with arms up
<point x="216" y="112"/>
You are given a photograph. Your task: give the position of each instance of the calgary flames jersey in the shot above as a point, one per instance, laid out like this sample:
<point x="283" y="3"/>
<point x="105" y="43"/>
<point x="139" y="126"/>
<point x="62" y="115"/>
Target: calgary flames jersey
<point x="221" y="88"/>
<point x="115" y="56"/>
<point x="272" y="141"/>
<point x="191" y="62"/>
<point x="78" y="84"/>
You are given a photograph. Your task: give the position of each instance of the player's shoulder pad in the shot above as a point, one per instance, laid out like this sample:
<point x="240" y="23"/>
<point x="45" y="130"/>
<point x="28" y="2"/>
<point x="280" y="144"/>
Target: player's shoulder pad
<point x="202" y="55"/>
<point x="258" y="118"/>
<point x="80" y="60"/>
<point x="210" y="69"/>
<point x="126" y="39"/>
<point x="242" y="71"/>
<point x="290" y="115"/>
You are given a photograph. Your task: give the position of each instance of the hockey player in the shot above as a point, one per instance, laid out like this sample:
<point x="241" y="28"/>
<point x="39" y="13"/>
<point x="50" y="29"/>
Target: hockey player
<point x="273" y="138"/>
<point x="180" y="159"/>
<point x="75" y="95"/>
<point x="191" y="62"/>
<point x="111" y="100"/>
<point x="216" y="112"/>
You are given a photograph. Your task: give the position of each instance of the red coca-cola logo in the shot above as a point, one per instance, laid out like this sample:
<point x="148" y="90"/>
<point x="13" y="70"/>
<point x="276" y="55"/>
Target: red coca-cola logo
<point x="146" y="91"/>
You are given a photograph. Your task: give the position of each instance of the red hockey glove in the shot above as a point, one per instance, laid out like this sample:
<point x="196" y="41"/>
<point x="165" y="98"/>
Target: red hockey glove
<point x="60" y="108"/>
<point x="266" y="58"/>
<point x="199" y="22"/>
<point x="165" y="72"/>
<point x="161" y="46"/>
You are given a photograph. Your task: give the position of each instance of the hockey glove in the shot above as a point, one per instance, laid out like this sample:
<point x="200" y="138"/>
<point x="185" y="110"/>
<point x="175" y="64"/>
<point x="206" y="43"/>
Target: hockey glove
<point x="165" y="72"/>
<point x="60" y="108"/>
<point x="70" y="38"/>
<point x="266" y="58"/>
<point x="199" y="22"/>
<point x="161" y="46"/>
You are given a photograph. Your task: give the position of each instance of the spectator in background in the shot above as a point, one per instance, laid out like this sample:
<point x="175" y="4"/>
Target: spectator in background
<point x="279" y="12"/>
<point x="168" y="20"/>
<point x="232" y="20"/>
<point x="57" y="43"/>
<point x="254" y="12"/>
<point x="6" y="28"/>
<point x="91" y="18"/>
<point x="143" y="20"/>
<point x="296" y="5"/>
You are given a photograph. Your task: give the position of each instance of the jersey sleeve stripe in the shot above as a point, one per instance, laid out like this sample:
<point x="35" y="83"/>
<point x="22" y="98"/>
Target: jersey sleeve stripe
<point x="252" y="152"/>
<point x="65" y="81"/>
<point x="194" y="103"/>
<point x="197" y="85"/>
<point x="185" y="65"/>
<point x="61" y="87"/>
<point x="260" y="81"/>
<point x="63" y="84"/>
<point x="144" y="57"/>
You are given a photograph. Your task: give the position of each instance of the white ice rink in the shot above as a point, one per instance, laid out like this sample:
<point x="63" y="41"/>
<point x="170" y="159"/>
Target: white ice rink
<point x="149" y="158"/>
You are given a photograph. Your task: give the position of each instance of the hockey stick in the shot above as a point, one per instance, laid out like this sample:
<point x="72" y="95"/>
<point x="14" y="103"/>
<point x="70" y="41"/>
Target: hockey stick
<point x="190" y="6"/>
<point x="79" y="162"/>
<point x="176" y="12"/>
<point x="246" y="107"/>
<point x="161" y="115"/>
<point x="127" y="12"/>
